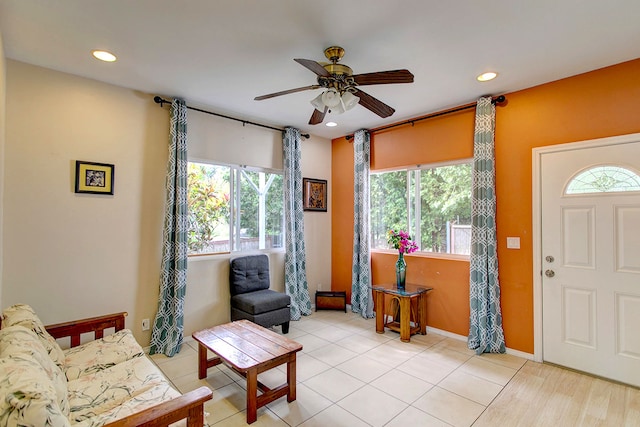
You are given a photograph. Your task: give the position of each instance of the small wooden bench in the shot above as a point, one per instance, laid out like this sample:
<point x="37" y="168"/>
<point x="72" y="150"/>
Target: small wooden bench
<point x="331" y="300"/>
<point x="249" y="349"/>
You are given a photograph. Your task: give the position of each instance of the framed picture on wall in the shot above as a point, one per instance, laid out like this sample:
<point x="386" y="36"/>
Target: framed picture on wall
<point x="314" y="194"/>
<point x="94" y="178"/>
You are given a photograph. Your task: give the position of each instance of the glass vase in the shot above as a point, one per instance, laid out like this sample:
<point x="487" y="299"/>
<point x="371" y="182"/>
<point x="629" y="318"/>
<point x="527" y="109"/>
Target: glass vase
<point x="401" y="271"/>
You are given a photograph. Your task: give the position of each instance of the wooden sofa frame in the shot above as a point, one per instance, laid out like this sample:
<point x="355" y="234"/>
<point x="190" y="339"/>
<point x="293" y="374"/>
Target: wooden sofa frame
<point x="189" y="405"/>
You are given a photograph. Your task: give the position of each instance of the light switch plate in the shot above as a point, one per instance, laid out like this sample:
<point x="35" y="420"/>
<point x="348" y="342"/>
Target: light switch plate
<point x="513" y="243"/>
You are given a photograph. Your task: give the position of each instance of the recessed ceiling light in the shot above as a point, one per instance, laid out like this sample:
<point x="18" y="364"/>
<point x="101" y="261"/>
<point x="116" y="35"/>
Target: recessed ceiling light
<point x="103" y="55"/>
<point x="485" y="77"/>
<point x="332" y="124"/>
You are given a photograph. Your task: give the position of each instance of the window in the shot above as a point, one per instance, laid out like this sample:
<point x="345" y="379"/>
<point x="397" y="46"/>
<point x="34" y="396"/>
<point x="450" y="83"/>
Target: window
<point x="433" y="204"/>
<point x="234" y="208"/>
<point x="604" y="179"/>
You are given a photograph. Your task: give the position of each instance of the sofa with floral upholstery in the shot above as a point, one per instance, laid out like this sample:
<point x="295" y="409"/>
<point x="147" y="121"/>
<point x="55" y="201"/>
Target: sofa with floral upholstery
<point x="108" y="381"/>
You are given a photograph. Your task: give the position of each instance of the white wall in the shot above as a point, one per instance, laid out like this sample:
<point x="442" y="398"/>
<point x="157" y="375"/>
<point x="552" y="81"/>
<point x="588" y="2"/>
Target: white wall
<point x="3" y="74"/>
<point x="77" y="255"/>
<point x="316" y="163"/>
<point x="73" y="256"/>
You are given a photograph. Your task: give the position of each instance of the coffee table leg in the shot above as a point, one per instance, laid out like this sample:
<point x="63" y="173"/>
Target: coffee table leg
<point x="291" y="378"/>
<point x="252" y="395"/>
<point x="202" y="361"/>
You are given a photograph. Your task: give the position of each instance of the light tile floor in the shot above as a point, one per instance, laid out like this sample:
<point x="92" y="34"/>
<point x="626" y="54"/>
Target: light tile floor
<point x="348" y="375"/>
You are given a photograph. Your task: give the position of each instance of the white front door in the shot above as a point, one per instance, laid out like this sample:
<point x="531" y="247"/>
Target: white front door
<point x="590" y="262"/>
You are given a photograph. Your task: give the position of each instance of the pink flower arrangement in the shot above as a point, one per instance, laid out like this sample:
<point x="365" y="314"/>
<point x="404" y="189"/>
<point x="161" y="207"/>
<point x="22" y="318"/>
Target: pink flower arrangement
<point x="401" y="241"/>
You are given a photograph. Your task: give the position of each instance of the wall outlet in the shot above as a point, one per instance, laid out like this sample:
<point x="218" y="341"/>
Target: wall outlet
<point x="145" y="324"/>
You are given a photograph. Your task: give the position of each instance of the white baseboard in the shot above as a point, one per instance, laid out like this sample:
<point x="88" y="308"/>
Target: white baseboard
<point x="458" y="337"/>
<point x="446" y="333"/>
<point x="519" y="353"/>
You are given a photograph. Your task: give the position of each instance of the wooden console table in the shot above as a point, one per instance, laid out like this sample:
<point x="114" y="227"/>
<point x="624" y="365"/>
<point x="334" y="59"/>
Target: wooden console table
<point x="250" y="349"/>
<point x="402" y="322"/>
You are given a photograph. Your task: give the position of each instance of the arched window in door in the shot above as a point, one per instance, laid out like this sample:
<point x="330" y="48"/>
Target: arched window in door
<point x="604" y="179"/>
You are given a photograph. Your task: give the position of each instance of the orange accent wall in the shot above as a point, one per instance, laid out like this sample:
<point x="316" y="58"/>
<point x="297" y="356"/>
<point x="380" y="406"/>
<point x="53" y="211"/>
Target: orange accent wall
<point x="601" y="103"/>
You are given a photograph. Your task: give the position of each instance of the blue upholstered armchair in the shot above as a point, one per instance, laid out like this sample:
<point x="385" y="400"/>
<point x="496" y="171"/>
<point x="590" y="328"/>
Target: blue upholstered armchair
<point x="251" y="297"/>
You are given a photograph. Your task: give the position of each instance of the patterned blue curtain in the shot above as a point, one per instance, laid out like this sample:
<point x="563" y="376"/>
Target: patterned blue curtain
<point x="295" y="273"/>
<point x="166" y="336"/>
<point x="361" y="296"/>
<point x="485" y="332"/>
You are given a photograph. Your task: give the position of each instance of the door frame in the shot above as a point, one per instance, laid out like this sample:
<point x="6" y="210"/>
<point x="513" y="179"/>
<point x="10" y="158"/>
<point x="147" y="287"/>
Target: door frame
<point x="537" y="154"/>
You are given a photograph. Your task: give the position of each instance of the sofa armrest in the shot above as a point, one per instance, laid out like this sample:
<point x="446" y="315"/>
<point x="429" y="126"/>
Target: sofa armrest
<point x="189" y="405"/>
<point x="97" y="325"/>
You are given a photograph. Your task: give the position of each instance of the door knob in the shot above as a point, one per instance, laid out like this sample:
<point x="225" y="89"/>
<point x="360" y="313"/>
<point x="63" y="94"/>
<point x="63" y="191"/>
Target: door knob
<point x="549" y="273"/>
<point x="549" y="258"/>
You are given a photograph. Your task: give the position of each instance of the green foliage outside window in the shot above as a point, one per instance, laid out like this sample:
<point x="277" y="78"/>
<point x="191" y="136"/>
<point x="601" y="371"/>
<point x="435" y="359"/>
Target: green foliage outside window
<point x="252" y="185"/>
<point x="442" y="207"/>
<point x="209" y="205"/>
<point x="445" y="194"/>
<point x="388" y="201"/>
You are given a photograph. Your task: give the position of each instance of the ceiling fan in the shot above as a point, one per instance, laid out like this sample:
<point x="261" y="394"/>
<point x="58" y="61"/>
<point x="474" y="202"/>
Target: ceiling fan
<point x="342" y="92"/>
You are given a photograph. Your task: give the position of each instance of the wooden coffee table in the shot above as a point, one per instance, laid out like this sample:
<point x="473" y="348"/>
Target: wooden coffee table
<point x="249" y="349"/>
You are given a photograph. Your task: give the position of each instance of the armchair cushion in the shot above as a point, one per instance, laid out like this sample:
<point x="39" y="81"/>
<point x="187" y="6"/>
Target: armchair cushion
<point x="249" y="274"/>
<point x="260" y="301"/>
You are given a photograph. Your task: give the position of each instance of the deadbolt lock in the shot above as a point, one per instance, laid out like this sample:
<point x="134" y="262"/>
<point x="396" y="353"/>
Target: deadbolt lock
<point x="549" y="258"/>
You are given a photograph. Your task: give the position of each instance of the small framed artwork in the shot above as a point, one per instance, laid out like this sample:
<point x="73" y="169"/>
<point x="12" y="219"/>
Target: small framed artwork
<point x="314" y="194"/>
<point x="94" y="178"/>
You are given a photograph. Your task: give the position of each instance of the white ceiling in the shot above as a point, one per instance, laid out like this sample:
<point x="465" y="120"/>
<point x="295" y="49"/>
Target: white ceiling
<point x="220" y="54"/>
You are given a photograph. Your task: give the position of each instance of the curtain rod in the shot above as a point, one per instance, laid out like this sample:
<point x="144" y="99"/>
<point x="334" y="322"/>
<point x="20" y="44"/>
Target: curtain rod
<point x="159" y="100"/>
<point x="497" y="100"/>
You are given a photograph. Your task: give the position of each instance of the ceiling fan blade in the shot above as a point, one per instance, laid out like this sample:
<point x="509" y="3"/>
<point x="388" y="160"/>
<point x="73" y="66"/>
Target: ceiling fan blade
<point x="373" y="104"/>
<point x="313" y="66"/>
<point x="285" y="92"/>
<point x="384" y="77"/>
<point x="317" y="116"/>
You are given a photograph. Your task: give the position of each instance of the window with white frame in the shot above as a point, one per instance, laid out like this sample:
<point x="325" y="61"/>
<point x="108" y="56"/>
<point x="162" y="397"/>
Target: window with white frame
<point x="234" y="208"/>
<point x="433" y="203"/>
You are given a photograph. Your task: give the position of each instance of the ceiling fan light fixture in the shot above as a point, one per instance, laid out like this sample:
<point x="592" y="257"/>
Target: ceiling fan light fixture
<point x="317" y="102"/>
<point x="349" y="101"/>
<point x="331" y="98"/>
<point x="339" y="86"/>
<point x="338" y="109"/>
